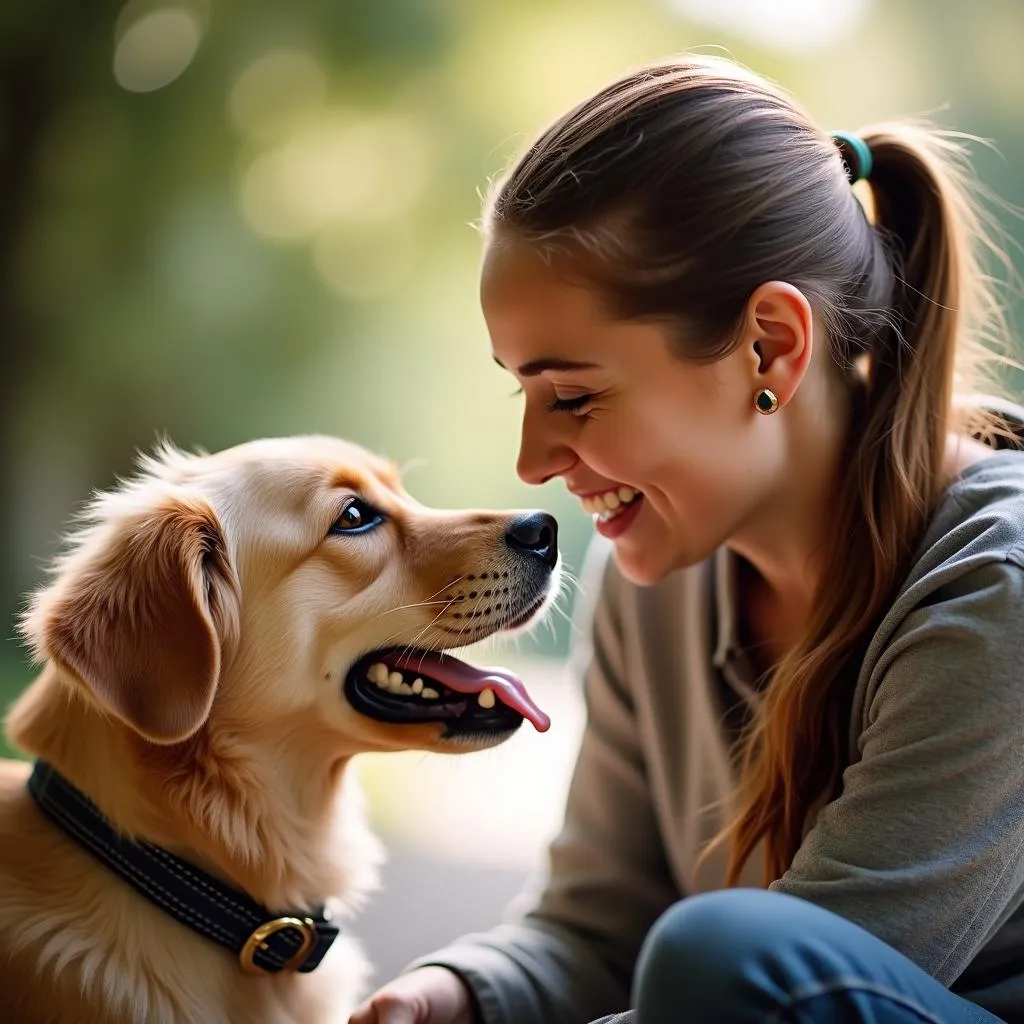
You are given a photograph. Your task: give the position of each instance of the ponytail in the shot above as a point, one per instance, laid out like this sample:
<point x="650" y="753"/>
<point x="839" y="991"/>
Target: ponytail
<point x="927" y="231"/>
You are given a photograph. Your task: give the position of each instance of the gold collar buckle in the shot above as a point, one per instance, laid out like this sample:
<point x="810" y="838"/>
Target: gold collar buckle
<point x="257" y="941"/>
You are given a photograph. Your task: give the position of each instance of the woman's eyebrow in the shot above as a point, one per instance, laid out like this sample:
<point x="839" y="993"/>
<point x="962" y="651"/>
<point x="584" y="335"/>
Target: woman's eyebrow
<point x="536" y="367"/>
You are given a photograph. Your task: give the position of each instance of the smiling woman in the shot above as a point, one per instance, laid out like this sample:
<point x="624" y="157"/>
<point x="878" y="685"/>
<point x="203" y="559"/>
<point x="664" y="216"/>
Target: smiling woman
<point x="608" y="404"/>
<point x="804" y="648"/>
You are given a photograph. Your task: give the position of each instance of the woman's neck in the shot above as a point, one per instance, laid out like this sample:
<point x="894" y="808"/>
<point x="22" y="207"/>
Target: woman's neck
<point x="784" y="555"/>
<point x="785" y="546"/>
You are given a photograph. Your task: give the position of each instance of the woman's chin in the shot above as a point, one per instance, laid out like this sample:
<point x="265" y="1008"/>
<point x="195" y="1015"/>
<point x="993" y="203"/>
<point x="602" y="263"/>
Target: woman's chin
<point x="648" y="564"/>
<point x="639" y="567"/>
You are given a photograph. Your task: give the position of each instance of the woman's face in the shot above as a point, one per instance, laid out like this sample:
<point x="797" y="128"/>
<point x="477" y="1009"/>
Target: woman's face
<point x="669" y="456"/>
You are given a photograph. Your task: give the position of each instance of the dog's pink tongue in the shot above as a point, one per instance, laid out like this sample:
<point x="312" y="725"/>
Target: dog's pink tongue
<point x="463" y="678"/>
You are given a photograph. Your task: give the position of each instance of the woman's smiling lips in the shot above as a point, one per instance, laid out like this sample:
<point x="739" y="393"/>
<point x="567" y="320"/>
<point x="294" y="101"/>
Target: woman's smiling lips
<point x="613" y="524"/>
<point x="608" y="503"/>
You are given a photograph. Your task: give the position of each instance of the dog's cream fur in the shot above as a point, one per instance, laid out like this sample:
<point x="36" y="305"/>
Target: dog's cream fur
<point x="195" y="639"/>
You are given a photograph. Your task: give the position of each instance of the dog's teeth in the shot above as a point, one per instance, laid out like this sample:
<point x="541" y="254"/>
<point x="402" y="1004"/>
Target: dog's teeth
<point x="393" y="681"/>
<point x="377" y="673"/>
<point x="486" y="698"/>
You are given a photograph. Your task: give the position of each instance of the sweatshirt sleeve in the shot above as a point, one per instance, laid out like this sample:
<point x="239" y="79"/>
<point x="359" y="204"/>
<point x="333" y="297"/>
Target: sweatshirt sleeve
<point x="570" y="957"/>
<point x="924" y="847"/>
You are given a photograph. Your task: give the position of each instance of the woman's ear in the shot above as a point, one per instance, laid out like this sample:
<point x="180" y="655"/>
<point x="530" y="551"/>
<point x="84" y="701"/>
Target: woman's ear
<point x="140" y="614"/>
<point x="778" y="335"/>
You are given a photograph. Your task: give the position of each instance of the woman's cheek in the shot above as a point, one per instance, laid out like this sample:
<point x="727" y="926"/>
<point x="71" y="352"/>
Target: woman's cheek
<point x="609" y="451"/>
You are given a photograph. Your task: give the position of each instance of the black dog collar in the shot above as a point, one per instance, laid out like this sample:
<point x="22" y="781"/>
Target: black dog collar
<point x="264" y="942"/>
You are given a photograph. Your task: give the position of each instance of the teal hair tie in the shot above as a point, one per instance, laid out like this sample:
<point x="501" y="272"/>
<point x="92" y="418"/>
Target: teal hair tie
<point x="856" y="155"/>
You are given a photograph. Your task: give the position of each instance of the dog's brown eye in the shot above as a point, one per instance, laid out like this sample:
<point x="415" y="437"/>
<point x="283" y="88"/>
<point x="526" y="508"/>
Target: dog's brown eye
<point x="357" y="517"/>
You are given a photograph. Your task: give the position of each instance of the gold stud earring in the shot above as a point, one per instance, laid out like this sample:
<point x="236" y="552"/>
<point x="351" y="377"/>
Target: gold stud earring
<point x="765" y="402"/>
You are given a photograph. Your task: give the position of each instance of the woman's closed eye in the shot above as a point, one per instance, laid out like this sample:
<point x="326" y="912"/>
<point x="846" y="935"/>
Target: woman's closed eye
<point x="576" y="405"/>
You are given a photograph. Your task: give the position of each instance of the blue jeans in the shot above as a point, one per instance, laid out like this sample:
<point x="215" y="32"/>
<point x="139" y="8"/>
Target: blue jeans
<point x="749" y="956"/>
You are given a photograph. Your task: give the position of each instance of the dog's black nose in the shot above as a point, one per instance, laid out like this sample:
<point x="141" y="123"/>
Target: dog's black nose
<point x="535" y="534"/>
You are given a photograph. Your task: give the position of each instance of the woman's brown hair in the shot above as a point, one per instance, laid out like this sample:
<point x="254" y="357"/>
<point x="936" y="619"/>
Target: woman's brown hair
<point x="673" y="193"/>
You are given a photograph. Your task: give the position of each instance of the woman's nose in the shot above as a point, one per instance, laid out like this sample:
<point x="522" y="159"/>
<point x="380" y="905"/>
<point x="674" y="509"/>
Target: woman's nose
<point x="542" y="455"/>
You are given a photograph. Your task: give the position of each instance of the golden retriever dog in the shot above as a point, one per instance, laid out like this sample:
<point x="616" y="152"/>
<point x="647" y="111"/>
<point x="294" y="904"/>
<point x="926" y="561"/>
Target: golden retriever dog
<point x="222" y="636"/>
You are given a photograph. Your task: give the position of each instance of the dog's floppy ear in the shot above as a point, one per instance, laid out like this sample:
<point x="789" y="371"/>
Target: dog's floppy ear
<point x="141" y="612"/>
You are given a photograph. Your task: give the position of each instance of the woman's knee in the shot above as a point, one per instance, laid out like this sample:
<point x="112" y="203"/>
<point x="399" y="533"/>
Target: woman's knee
<point x="708" y="929"/>
<point x="743" y="956"/>
<point x="721" y="946"/>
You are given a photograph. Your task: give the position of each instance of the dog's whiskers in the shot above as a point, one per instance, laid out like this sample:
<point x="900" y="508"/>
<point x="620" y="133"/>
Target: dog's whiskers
<point x="462" y="629"/>
<point x="428" y="601"/>
<point x="464" y="634"/>
<point x="416" y="604"/>
<point x="410" y="646"/>
<point x="568" y="618"/>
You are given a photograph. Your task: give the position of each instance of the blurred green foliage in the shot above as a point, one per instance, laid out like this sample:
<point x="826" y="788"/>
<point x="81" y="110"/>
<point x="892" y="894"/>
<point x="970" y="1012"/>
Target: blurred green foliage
<point x="227" y="220"/>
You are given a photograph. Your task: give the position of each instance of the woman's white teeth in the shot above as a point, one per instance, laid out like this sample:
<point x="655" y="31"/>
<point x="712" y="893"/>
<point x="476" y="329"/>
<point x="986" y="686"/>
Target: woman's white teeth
<point x="385" y="678"/>
<point x="610" y="503"/>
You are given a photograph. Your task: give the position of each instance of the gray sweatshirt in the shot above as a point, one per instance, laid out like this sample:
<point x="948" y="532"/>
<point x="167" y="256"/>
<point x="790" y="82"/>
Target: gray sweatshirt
<point x="924" y="846"/>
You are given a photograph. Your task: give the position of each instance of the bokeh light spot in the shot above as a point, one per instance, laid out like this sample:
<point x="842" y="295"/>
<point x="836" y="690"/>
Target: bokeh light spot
<point x="784" y="25"/>
<point x="156" y="48"/>
<point x="365" y="264"/>
<point x="275" y="91"/>
<point x="357" y="170"/>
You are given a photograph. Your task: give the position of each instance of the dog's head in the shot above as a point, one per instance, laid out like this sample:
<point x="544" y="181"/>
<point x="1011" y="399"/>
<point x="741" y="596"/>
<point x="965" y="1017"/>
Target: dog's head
<point x="292" y="584"/>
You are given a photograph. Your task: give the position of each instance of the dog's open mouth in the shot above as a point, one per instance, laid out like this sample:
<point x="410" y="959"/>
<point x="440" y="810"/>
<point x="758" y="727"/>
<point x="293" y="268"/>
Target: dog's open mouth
<point x="404" y="687"/>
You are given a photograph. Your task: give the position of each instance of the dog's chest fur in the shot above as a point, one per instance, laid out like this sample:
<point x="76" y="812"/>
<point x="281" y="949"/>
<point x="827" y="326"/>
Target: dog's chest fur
<point x="78" y="946"/>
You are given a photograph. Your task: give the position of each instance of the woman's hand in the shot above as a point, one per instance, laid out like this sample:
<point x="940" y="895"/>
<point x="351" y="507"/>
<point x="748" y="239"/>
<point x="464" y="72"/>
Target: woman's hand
<point x="428" y="995"/>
